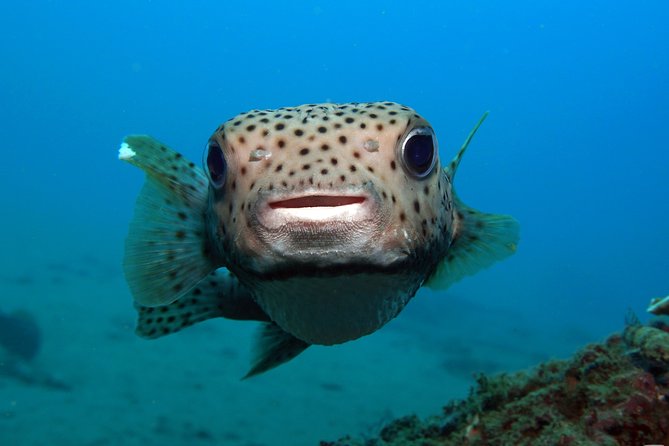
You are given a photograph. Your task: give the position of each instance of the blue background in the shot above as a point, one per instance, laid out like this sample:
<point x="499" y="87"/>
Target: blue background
<point x="575" y="146"/>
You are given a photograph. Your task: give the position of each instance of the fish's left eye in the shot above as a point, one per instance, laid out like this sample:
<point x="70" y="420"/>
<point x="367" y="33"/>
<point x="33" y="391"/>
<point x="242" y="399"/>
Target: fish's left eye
<point x="216" y="166"/>
<point x="419" y="152"/>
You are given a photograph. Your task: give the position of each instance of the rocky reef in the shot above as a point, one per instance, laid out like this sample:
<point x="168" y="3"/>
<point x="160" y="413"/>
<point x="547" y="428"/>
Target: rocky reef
<point x="611" y="393"/>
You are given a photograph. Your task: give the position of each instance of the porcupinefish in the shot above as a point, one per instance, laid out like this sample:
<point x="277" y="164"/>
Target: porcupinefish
<point x="321" y="221"/>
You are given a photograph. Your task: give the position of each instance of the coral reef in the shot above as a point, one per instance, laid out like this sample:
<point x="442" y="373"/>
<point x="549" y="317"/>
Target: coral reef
<point x="613" y="393"/>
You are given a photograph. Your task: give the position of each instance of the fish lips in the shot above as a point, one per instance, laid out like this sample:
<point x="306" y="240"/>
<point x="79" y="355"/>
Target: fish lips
<point x="319" y="228"/>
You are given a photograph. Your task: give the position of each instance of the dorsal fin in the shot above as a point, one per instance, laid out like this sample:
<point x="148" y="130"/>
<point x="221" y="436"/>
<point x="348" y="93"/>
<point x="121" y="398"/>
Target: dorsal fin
<point x="455" y="162"/>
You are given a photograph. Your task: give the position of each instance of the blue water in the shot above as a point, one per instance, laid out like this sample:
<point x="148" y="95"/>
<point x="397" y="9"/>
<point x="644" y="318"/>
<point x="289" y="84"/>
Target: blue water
<point x="575" y="148"/>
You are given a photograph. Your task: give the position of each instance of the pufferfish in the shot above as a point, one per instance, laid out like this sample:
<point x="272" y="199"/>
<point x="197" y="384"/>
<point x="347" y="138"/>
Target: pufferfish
<point x="320" y="221"/>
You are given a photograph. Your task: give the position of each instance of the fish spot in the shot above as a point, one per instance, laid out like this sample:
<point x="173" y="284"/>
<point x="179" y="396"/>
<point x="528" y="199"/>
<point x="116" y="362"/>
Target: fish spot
<point x="250" y="128"/>
<point x="299" y="132"/>
<point x="342" y="177"/>
<point x="356" y="154"/>
<point x="278" y="168"/>
<point x="306" y="166"/>
<point x="241" y="140"/>
<point x="393" y="165"/>
<point x="379" y="127"/>
<point x="324" y="171"/>
<point x="349" y="120"/>
<point x="279" y="126"/>
<point x="370" y="168"/>
<point x="363" y="125"/>
<point x="342" y="139"/>
<point x="243" y="170"/>
<point x="322" y="129"/>
<point x="325" y="147"/>
<point x="333" y="161"/>
<point x="180" y="234"/>
<point x="403" y="216"/>
<point x="304" y="151"/>
<point x="281" y="143"/>
<point x="416" y="206"/>
<point x="182" y="215"/>
<point x="178" y="287"/>
<point x="352" y="168"/>
<point x="426" y="190"/>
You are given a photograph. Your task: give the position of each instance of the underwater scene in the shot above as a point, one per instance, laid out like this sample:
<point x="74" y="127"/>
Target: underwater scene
<point x="232" y="223"/>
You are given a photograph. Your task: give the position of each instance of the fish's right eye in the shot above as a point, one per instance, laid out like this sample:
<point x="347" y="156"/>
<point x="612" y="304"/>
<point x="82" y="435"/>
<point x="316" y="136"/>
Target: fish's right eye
<point x="216" y="165"/>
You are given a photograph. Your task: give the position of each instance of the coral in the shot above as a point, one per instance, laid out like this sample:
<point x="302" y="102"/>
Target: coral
<point x="612" y="393"/>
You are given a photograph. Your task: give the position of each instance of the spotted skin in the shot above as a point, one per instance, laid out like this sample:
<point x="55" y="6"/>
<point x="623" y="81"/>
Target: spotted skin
<point x="326" y="148"/>
<point x="325" y="226"/>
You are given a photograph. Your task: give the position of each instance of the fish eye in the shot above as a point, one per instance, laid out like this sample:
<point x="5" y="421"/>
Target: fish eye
<point x="419" y="152"/>
<point x="216" y="167"/>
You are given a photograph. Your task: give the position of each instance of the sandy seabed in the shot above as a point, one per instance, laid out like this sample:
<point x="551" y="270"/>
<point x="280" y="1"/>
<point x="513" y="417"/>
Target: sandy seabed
<point x="186" y="389"/>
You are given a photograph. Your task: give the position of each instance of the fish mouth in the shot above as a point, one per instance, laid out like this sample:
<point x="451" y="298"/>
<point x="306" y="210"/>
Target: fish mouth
<point x="316" y="211"/>
<point x="316" y="201"/>
<point x="320" y="229"/>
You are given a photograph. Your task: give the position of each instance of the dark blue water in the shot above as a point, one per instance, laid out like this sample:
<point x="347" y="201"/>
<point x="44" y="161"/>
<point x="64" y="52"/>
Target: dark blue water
<point x="575" y="146"/>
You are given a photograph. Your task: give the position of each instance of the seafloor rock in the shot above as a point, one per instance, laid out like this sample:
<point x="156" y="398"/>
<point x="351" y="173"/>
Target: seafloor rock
<point x="614" y="393"/>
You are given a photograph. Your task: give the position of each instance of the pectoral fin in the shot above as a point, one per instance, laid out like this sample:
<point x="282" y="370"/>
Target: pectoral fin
<point x="219" y="295"/>
<point x="166" y="251"/>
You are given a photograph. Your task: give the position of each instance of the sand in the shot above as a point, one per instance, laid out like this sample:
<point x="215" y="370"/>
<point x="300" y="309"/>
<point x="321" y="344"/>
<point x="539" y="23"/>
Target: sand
<point x="186" y="389"/>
